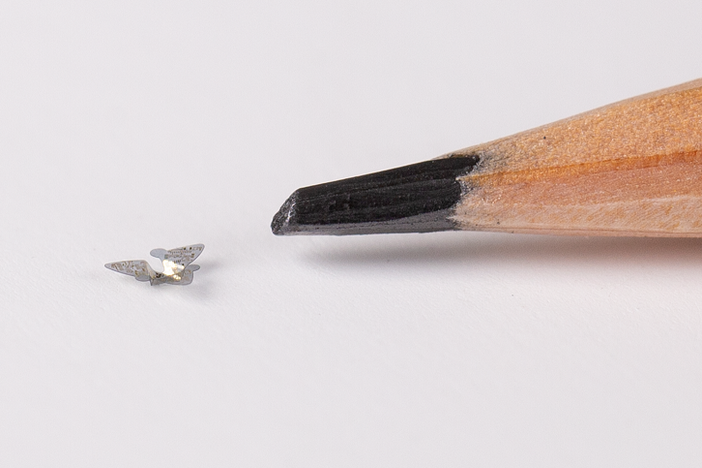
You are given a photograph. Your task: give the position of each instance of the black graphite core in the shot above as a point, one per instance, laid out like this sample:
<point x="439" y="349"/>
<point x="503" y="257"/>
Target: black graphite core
<point x="414" y="198"/>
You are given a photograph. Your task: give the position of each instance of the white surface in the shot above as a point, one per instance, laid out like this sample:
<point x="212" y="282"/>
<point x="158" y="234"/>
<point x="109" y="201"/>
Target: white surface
<point x="127" y="126"/>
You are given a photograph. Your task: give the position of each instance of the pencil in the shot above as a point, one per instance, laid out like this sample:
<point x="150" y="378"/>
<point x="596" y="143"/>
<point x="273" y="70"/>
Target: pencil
<point x="632" y="168"/>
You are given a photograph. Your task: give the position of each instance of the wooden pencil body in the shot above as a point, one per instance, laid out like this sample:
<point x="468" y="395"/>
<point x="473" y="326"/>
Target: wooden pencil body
<point x="633" y="168"/>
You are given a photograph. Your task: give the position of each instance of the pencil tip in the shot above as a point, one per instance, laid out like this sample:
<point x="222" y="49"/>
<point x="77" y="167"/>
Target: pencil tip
<point x="285" y="221"/>
<point x="415" y="198"/>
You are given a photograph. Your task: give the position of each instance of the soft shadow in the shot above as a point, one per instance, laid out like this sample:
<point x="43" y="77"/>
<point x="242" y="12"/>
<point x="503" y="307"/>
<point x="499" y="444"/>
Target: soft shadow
<point x="512" y="248"/>
<point x="201" y="287"/>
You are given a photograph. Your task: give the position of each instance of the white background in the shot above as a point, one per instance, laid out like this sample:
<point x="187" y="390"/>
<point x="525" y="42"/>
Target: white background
<point x="131" y="125"/>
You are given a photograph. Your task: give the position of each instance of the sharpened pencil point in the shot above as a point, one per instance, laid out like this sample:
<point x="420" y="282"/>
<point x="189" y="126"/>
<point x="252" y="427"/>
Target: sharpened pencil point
<point x="415" y="198"/>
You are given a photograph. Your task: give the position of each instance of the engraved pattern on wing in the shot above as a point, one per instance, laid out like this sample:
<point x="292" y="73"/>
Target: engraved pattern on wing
<point x="140" y="269"/>
<point x="182" y="256"/>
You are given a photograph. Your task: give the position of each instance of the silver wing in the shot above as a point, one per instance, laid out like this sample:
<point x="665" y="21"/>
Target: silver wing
<point x="182" y="256"/>
<point x="140" y="269"/>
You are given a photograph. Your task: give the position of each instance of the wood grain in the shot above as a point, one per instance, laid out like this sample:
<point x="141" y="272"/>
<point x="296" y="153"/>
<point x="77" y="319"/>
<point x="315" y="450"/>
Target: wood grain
<point x="632" y="168"/>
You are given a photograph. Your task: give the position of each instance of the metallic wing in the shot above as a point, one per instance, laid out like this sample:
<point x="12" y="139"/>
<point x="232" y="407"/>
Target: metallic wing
<point x="182" y="256"/>
<point x="140" y="269"/>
